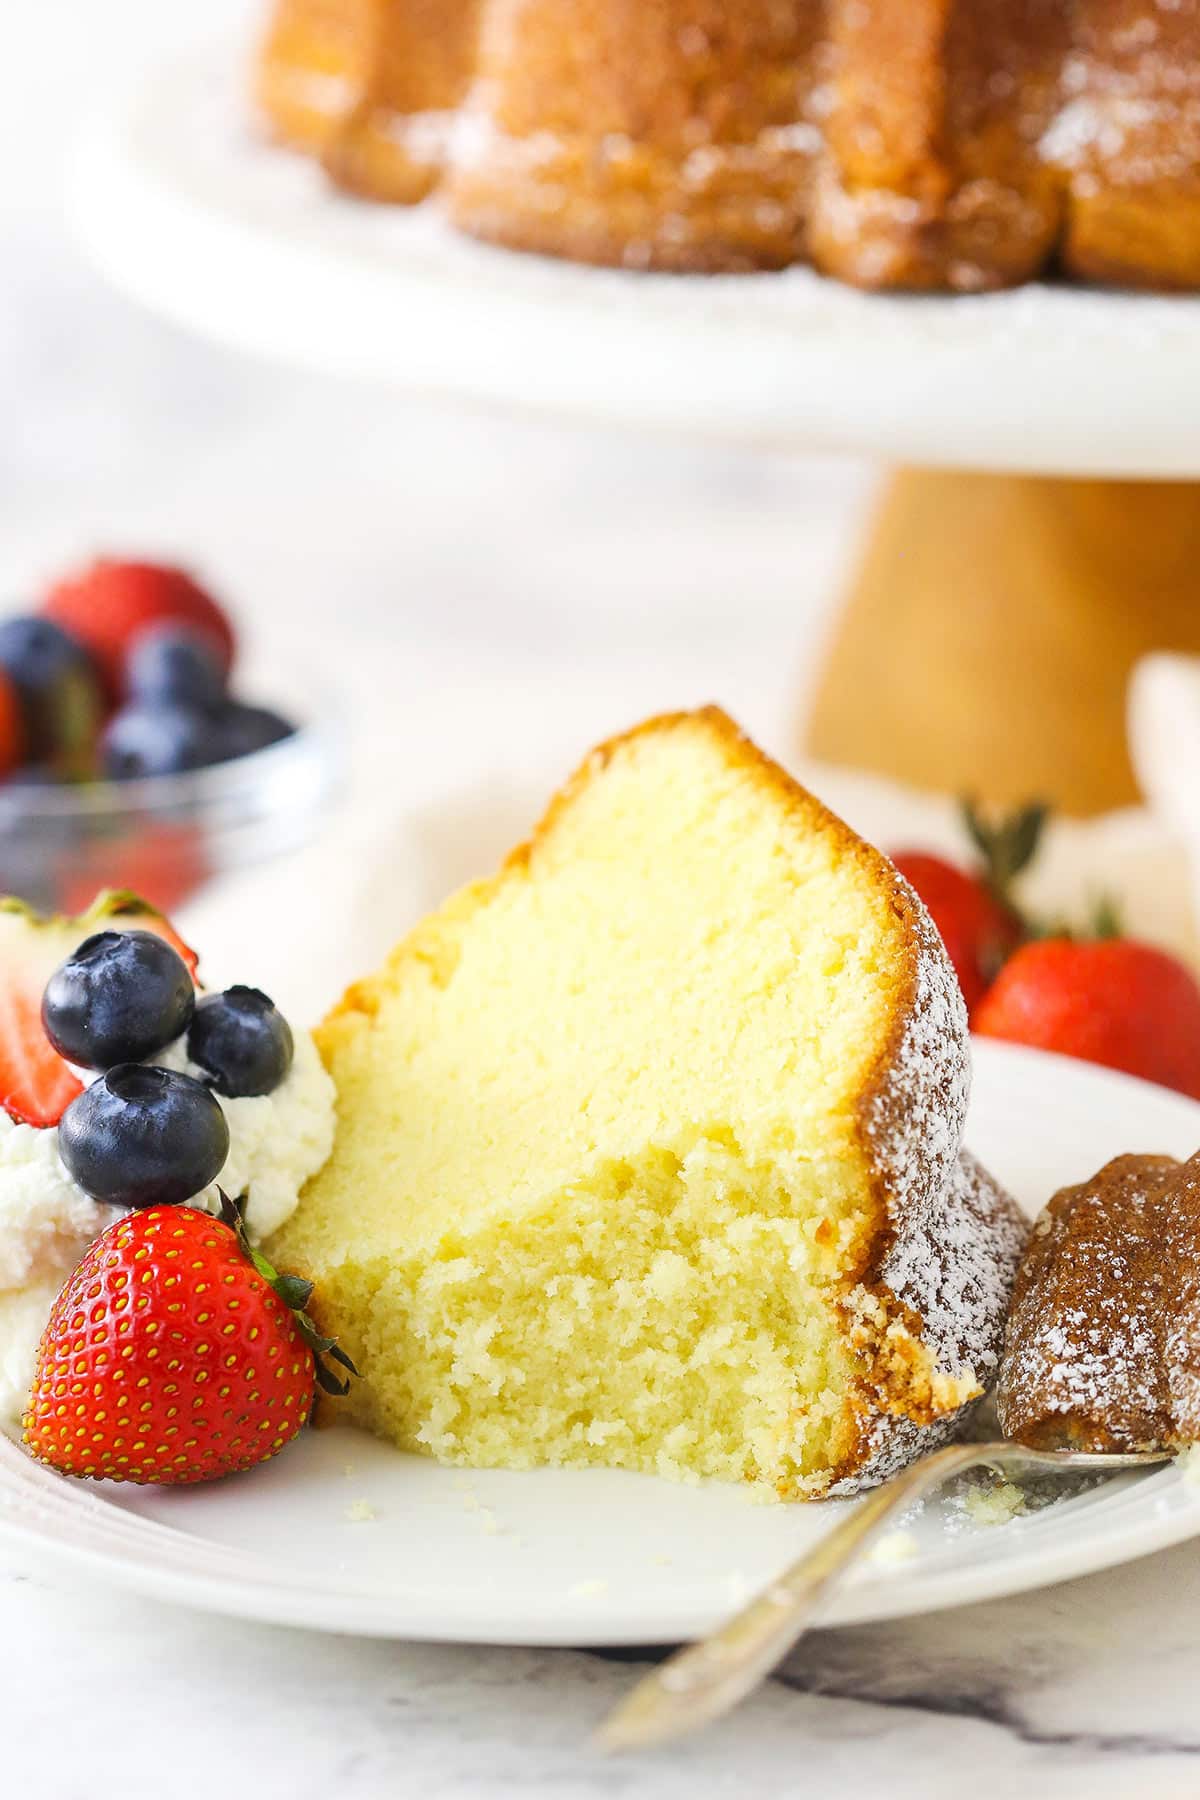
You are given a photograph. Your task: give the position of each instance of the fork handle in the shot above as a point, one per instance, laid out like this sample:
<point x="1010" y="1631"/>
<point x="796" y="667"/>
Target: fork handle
<point x="706" y="1679"/>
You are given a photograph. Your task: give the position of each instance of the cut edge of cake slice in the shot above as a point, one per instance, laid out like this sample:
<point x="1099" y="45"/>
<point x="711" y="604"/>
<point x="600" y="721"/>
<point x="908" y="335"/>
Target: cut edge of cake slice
<point x="649" y="1146"/>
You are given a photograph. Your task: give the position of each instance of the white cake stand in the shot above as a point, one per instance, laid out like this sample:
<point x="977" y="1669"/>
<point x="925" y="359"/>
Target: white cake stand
<point x="998" y="590"/>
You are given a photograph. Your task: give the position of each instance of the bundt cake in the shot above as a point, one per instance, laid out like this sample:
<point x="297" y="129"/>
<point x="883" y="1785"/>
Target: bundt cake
<point x="944" y="144"/>
<point x="314" y="66"/>
<point x="648" y="1149"/>
<point x="394" y="140"/>
<point x="1102" y="1350"/>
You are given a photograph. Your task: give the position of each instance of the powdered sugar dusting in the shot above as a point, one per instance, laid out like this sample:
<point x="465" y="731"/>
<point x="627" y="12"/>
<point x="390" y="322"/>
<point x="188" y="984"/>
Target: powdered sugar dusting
<point x="956" y="1236"/>
<point x="915" y="1120"/>
<point x="319" y="90"/>
<point x="891" y="1444"/>
<point x="1103" y="1346"/>
<point x="1106" y="104"/>
<point x="426" y="137"/>
<point x="954" y="1269"/>
<point x="1091" y="125"/>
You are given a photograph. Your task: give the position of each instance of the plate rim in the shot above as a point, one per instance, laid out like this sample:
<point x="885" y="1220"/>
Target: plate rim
<point x="344" y="1614"/>
<point x="260" y="1593"/>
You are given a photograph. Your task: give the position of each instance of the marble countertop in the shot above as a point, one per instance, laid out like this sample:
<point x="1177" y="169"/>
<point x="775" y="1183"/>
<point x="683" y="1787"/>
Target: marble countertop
<point x="1083" y="1690"/>
<point x="485" y="561"/>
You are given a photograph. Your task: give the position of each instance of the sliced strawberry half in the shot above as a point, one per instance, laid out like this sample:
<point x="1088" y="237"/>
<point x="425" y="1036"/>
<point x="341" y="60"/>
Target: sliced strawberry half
<point x="36" y="1084"/>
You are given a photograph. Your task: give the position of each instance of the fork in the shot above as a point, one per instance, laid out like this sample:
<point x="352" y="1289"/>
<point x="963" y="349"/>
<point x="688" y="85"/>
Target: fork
<point x="705" y="1680"/>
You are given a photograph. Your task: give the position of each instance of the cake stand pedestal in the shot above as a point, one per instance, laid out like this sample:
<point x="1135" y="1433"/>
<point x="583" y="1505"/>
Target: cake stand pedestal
<point x="987" y="640"/>
<point x="1001" y="603"/>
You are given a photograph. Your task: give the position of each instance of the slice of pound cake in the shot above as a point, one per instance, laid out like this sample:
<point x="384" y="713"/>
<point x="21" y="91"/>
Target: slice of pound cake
<point x="649" y="1147"/>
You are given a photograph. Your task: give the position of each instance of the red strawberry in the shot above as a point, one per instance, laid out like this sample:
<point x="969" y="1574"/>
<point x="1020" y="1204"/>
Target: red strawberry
<point x="12" y="727"/>
<point x="174" y="1354"/>
<point x="975" y="914"/>
<point x="107" y="605"/>
<point x="36" y="1085"/>
<point x="977" y="931"/>
<point x="1112" y="1001"/>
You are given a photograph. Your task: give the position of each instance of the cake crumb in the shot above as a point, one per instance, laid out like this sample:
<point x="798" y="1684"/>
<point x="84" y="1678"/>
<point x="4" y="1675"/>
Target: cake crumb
<point x="471" y="1503"/>
<point x="1189" y="1465"/>
<point x="359" y="1512"/>
<point x="994" y="1504"/>
<point x="895" y="1547"/>
<point x="587" y="1590"/>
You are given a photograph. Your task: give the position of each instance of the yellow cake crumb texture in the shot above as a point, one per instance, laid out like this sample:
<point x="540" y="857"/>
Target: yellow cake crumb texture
<point x="603" y="1189"/>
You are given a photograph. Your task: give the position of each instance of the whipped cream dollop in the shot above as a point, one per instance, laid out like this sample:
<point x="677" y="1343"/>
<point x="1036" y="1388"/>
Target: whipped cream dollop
<point x="277" y="1142"/>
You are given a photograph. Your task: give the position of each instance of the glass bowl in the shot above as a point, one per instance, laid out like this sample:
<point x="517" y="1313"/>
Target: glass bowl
<point x="168" y="836"/>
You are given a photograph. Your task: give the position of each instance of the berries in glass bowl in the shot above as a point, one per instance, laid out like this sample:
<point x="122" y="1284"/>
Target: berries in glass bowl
<point x="176" y="665"/>
<point x="59" y="699"/>
<point x="130" y="758"/>
<point x="109" y="604"/>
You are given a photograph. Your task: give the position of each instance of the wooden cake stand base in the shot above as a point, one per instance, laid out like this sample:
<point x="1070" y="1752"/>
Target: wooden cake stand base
<point x="989" y="636"/>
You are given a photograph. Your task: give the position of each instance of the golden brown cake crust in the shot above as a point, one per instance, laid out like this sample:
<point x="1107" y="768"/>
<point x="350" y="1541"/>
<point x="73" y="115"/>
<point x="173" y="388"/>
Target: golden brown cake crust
<point x="314" y="65"/>
<point x="933" y="176"/>
<point x="1128" y="141"/>
<point x="393" y="144"/>
<point x="924" y="1303"/>
<point x="919" y="144"/>
<point x="951" y="1275"/>
<point x="668" y="134"/>
<point x="1102" y="1350"/>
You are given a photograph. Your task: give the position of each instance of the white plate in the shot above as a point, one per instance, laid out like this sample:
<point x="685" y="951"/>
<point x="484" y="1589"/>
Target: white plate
<point x="597" y="1556"/>
<point x="184" y="207"/>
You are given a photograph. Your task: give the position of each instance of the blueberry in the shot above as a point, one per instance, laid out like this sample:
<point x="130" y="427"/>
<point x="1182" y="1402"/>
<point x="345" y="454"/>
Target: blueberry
<point x="178" y="666"/>
<point x="58" y="688"/>
<point x="242" y="1042"/>
<point x="144" y="739"/>
<point x="243" y="729"/>
<point x="143" y="1137"/>
<point x="118" y="998"/>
